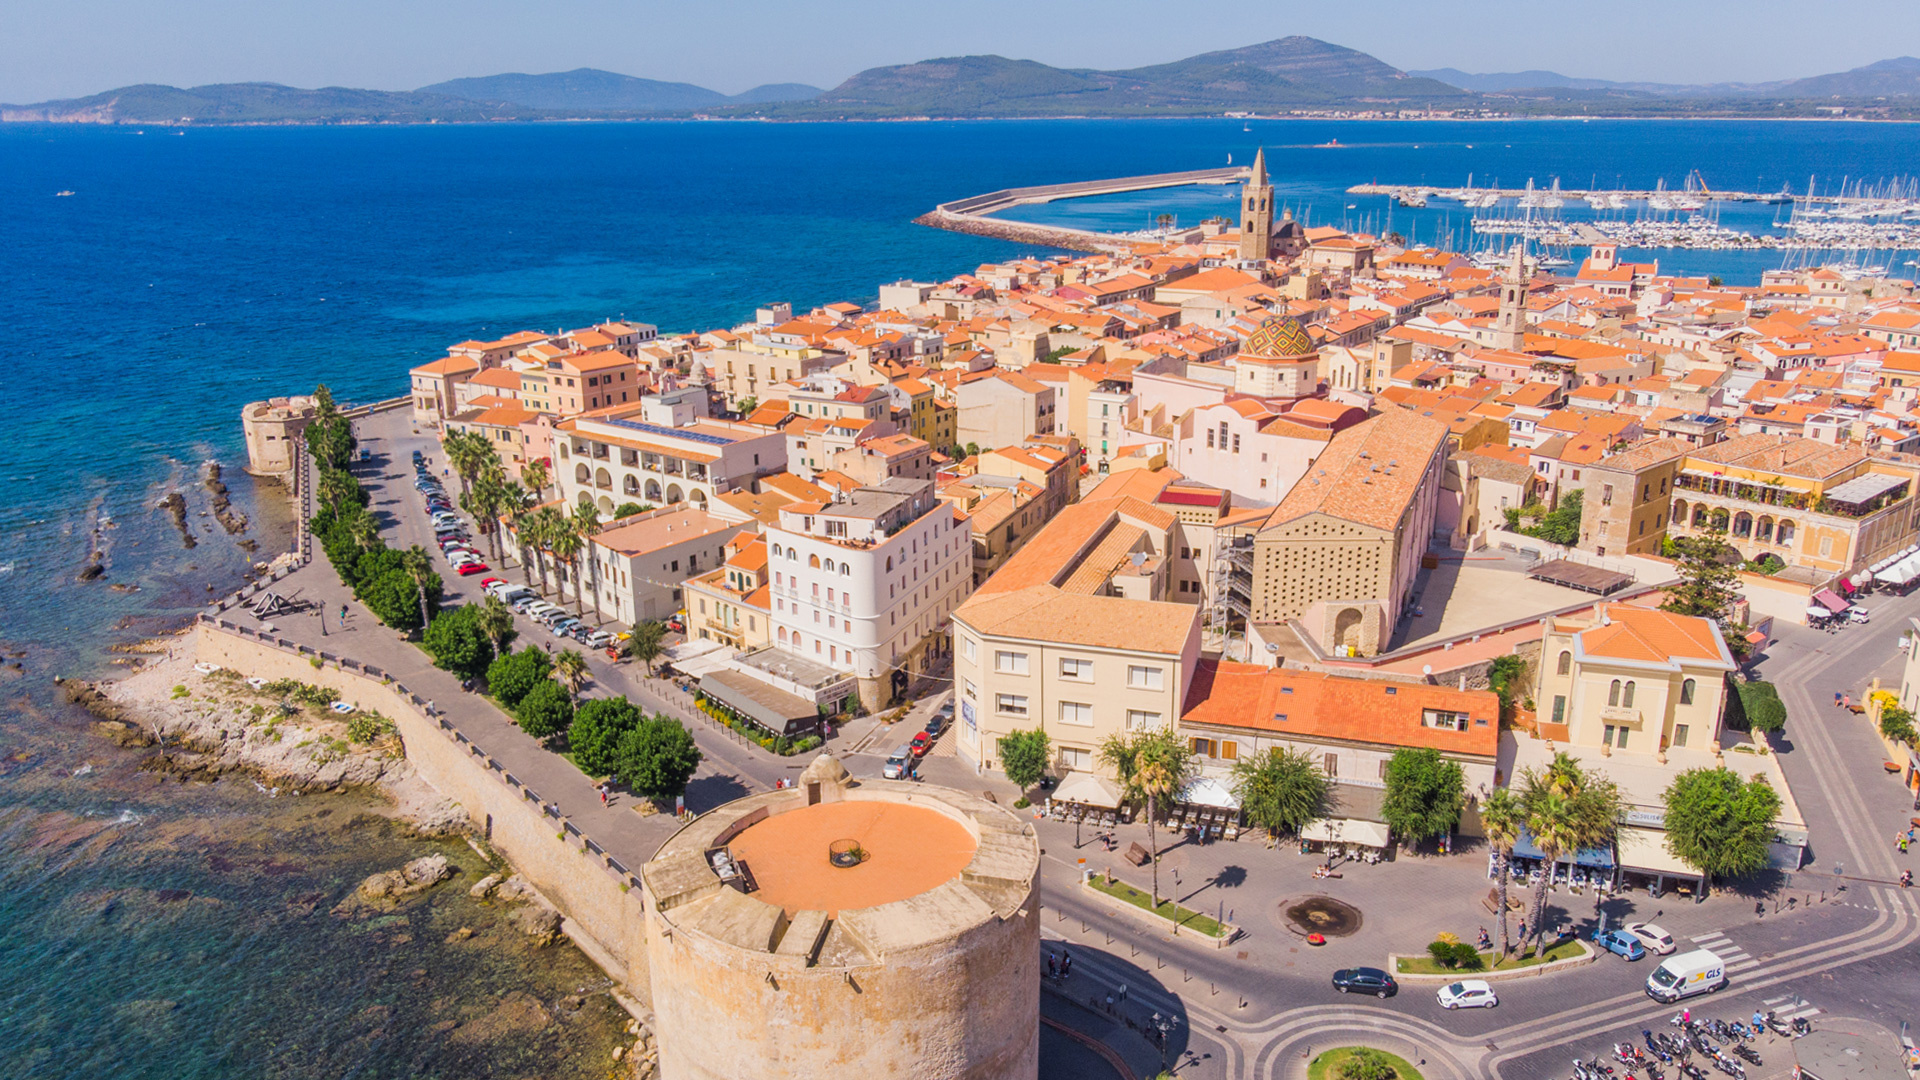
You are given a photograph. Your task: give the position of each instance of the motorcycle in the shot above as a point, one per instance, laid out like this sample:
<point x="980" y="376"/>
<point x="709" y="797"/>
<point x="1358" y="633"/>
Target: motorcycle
<point x="1730" y="1066"/>
<point x="1740" y="1030"/>
<point x="1653" y="1072"/>
<point x="1692" y="1071"/>
<point x="1719" y="1029"/>
<point x="1626" y="1054"/>
<point x="1752" y="1057"/>
<point x="1802" y="1026"/>
<point x="1778" y="1026"/>
<point x="1654" y="1047"/>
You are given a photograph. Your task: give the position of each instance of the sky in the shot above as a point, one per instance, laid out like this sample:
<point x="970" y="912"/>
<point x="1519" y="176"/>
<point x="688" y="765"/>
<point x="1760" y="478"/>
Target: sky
<point x="71" y="48"/>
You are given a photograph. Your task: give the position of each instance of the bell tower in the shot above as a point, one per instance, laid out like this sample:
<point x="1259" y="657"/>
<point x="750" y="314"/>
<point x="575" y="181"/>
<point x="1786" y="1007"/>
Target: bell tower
<point x="1510" y="326"/>
<point x="1256" y="212"/>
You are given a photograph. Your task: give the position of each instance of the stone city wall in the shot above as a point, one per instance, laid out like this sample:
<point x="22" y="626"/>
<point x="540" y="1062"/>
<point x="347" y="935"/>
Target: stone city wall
<point x="599" y="897"/>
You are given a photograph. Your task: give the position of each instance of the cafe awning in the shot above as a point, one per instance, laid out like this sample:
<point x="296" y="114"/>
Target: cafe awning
<point x="1347" y="831"/>
<point x="1206" y="791"/>
<point x="1645" y="851"/>
<point x="1088" y="790"/>
<point x="1826" y="598"/>
<point x="770" y="707"/>
<point x="1525" y="848"/>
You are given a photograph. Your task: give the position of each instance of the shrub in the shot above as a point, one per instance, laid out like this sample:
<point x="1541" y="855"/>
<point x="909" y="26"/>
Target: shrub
<point x="594" y="735"/>
<point x="1367" y="1064"/>
<point x="545" y="711"/>
<point x="457" y="644"/>
<point x="1896" y="723"/>
<point x="1442" y="953"/>
<point x="368" y="727"/>
<point x="1021" y="803"/>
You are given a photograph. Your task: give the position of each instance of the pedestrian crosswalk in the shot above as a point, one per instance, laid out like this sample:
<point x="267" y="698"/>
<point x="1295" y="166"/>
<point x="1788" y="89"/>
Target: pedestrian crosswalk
<point x="1733" y="956"/>
<point x="1790" y="1007"/>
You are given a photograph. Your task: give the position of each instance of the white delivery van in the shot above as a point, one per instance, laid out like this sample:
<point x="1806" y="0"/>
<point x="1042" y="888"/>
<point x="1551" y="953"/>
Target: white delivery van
<point x="1690" y="973"/>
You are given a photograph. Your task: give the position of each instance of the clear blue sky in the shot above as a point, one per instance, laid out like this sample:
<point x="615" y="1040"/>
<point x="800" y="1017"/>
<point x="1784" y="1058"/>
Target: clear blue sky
<point x="69" y="48"/>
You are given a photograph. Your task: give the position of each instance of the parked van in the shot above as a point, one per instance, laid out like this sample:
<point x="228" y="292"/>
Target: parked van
<point x="1690" y="973"/>
<point x="899" y="765"/>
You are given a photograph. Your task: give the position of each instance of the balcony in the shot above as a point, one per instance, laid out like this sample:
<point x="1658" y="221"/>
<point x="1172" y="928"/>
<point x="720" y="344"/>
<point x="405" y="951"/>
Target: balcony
<point x="1620" y="716"/>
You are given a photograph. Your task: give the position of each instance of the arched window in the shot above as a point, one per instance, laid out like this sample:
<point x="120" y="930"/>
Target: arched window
<point x="1566" y="661"/>
<point x="813" y="562"/>
<point x="1686" y="692"/>
<point x="846" y="569"/>
<point x="1626" y="699"/>
<point x="1613" y="693"/>
<point x="783" y="635"/>
<point x="776" y="551"/>
<point x="889" y="564"/>
<point x="827" y="566"/>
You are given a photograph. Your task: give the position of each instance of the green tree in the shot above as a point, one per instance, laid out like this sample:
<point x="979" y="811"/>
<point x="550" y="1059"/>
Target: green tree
<point x="545" y="711"/>
<point x="657" y="757"/>
<point x="1567" y="810"/>
<point x="747" y="404"/>
<point x="594" y="736"/>
<point x="1761" y="709"/>
<point x="419" y="567"/>
<point x="566" y="545"/>
<point x="586" y="522"/>
<point x="572" y="669"/>
<point x="329" y="434"/>
<point x="541" y="527"/>
<point x="1720" y="825"/>
<point x="1507" y="677"/>
<point x="1152" y="766"/>
<point x="1425" y="793"/>
<point x="391" y="598"/>
<point x="1896" y="723"/>
<point x="495" y="619"/>
<point x="457" y="644"/>
<point x="534" y="476"/>
<point x="645" y="644"/>
<point x="1709" y="571"/>
<point x="1501" y="816"/>
<point x="512" y="676"/>
<point x="1561" y="525"/>
<point x="1281" y="789"/>
<point x="628" y="509"/>
<point x="1024" y="756"/>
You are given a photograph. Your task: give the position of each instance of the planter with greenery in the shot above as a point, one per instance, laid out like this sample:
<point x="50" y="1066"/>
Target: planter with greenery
<point x="1360" y="1063"/>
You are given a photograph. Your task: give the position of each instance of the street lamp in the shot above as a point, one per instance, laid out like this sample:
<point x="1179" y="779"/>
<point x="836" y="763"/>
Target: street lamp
<point x="1165" y="1026"/>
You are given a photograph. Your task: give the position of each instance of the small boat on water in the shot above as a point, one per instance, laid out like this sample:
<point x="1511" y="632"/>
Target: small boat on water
<point x="62" y="194"/>
<point x="1330" y="144"/>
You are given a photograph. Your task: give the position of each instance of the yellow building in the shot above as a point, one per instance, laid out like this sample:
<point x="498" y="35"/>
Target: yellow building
<point x="1634" y="681"/>
<point x="1825" y="508"/>
<point x="729" y="605"/>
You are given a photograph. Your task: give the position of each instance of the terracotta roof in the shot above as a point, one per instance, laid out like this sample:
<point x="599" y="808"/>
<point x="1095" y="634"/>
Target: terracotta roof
<point x="1368" y="473"/>
<point x="1785" y="455"/>
<point x="1317" y="706"/>
<point x="1044" y="613"/>
<point x="1649" y="635"/>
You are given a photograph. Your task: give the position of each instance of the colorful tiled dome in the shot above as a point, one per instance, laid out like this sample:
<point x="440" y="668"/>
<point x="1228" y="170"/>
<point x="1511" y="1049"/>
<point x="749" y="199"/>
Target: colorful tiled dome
<point x="1279" y="335"/>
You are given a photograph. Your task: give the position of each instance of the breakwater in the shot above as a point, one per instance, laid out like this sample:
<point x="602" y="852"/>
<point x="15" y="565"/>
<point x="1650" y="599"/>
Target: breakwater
<point x="973" y="214"/>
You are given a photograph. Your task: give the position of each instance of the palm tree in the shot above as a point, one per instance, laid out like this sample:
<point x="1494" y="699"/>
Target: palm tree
<point x="495" y="619"/>
<point x="534" y="475"/>
<point x="485" y="500"/>
<point x="336" y="488"/>
<point x="542" y="526"/>
<point x="572" y="669"/>
<point x="1500" y="815"/>
<point x="1281" y="788"/>
<point x="565" y="545"/>
<point x="419" y="566"/>
<point x="1567" y="810"/>
<point x="1152" y="766"/>
<point x="470" y="453"/>
<point x="364" y="527"/>
<point x="586" y="522"/>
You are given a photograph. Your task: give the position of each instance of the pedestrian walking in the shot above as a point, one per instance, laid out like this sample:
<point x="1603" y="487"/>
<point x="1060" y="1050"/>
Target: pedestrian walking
<point x="1053" y="966"/>
<point x="1836" y="699"/>
<point x="1846" y="702"/>
<point x="343" y="614"/>
<point x="1066" y="963"/>
<point x="603" y="794"/>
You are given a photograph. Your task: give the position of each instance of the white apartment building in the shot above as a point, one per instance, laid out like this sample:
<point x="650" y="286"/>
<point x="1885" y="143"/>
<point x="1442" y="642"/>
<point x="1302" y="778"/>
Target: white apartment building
<point x="867" y="584"/>
<point x="665" y="450"/>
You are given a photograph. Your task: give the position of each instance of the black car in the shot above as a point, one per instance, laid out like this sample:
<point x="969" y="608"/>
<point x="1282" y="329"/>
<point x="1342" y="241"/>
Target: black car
<point x="936" y="724"/>
<point x="1365" y="980"/>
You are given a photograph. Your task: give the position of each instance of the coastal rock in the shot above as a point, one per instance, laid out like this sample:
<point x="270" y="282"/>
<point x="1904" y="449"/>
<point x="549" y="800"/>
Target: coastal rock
<point x="385" y="890"/>
<point x="484" y="887"/>
<point x="538" y="922"/>
<point x="121" y="733"/>
<point x="461" y="934"/>
<point x="176" y="507"/>
<point x="515" y="890"/>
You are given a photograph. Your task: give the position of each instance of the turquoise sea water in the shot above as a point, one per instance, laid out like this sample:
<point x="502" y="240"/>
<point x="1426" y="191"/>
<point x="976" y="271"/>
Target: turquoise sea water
<point x="190" y="273"/>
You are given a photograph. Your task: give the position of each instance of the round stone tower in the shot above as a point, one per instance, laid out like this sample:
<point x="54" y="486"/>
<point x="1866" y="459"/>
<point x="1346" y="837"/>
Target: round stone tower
<point x="872" y="929"/>
<point x="273" y="429"/>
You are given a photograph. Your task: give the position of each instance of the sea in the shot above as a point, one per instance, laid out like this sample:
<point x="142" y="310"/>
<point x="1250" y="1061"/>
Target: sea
<point x="154" y="280"/>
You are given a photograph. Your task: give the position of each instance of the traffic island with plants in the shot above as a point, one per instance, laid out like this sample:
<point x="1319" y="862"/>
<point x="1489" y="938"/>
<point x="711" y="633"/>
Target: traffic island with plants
<point x="783" y="745"/>
<point x="1360" y="1063"/>
<point x="1448" y="956"/>
<point x="1186" y="920"/>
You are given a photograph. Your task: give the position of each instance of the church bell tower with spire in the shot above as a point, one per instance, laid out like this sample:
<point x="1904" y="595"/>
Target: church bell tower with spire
<point x="1256" y="213"/>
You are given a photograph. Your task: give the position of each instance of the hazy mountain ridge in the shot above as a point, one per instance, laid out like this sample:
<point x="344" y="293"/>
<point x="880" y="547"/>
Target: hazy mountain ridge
<point x="1292" y="73"/>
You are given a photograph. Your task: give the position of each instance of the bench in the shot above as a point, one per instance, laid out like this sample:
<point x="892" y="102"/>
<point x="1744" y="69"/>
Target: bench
<point x="1138" y="855"/>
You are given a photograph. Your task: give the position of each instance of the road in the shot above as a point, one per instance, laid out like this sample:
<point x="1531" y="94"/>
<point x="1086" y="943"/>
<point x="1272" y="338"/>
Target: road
<point x="1262" y="1007"/>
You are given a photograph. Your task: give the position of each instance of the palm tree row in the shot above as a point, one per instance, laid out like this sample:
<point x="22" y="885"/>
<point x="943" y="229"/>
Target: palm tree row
<point x="569" y="539"/>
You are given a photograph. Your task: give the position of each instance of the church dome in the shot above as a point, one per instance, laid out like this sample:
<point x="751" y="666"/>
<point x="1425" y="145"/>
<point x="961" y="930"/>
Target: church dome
<point x="1279" y="335"/>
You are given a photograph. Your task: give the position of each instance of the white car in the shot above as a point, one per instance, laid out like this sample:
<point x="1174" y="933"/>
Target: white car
<point x="1655" y="939"/>
<point x="1468" y="994"/>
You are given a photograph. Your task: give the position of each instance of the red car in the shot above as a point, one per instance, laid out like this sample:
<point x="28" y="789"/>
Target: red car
<point x="491" y="582"/>
<point x="467" y="569"/>
<point x="922" y="742"/>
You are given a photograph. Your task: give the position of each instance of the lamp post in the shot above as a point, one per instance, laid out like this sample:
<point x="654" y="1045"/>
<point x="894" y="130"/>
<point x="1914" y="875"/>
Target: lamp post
<point x="1165" y="1026"/>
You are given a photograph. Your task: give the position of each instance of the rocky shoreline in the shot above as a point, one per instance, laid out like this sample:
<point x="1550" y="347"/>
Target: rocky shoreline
<point x="204" y="725"/>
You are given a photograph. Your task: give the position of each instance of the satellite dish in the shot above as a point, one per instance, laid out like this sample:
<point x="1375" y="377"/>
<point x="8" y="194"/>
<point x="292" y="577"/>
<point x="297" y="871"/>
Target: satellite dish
<point x="1273" y="646"/>
<point x="1426" y="669"/>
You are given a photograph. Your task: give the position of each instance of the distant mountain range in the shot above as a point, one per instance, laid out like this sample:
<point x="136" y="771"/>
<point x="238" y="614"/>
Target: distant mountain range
<point x="1896" y="78"/>
<point x="1287" y="74"/>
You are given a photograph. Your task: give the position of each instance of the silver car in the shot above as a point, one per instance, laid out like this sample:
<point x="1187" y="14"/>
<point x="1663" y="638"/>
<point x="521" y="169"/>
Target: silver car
<point x="899" y="764"/>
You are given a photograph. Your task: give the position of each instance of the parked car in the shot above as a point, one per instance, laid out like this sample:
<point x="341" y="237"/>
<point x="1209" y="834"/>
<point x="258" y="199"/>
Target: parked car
<point x="899" y="764"/>
<point x="1655" y="939"/>
<point x="523" y="604"/>
<point x="937" y="723"/>
<point x="1365" y="980"/>
<point x="493" y="585"/>
<point x="675" y="624"/>
<point x="542" y="607"/>
<point x="600" y="639"/>
<point x="559" y="627"/>
<point x="922" y="742"/>
<point x="1468" y="994"/>
<point x="1621" y="944"/>
<point x="475" y="567"/>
